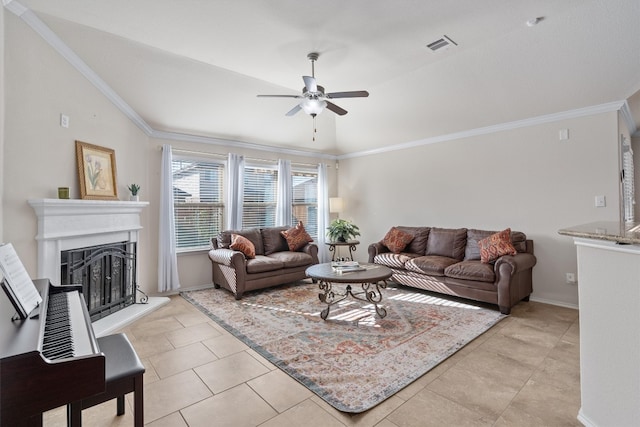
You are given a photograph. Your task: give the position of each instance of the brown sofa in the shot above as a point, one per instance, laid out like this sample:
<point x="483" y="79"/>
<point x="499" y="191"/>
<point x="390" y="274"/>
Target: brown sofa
<point x="274" y="264"/>
<point x="448" y="261"/>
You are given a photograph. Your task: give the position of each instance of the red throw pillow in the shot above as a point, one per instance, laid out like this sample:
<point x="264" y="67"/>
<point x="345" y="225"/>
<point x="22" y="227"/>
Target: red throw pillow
<point x="297" y="237"/>
<point x="495" y="246"/>
<point x="242" y="244"/>
<point x="396" y="240"/>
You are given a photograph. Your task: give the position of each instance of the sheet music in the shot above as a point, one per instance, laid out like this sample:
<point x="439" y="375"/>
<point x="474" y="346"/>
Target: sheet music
<point x="18" y="280"/>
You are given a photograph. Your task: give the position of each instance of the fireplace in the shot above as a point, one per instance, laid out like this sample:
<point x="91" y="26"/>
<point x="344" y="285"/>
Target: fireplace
<point x="93" y="243"/>
<point x="107" y="274"/>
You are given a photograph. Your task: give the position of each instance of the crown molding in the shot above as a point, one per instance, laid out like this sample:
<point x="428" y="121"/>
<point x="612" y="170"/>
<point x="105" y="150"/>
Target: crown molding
<point x="67" y="53"/>
<point x="14" y="7"/>
<point x="175" y="136"/>
<point x="628" y="117"/>
<point x="547" y="118"/>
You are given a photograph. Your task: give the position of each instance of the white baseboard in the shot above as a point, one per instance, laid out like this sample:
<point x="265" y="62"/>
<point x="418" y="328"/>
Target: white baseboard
<point x="553" y="302"/>
<point x="126" y="316"/>
<point x="189" y="288"/>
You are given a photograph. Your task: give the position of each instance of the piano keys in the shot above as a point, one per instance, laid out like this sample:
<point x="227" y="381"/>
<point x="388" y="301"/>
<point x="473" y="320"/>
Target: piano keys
<point x="48" y="360"/>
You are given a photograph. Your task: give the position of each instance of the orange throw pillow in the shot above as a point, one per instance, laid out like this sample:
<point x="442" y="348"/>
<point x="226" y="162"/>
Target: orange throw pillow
<point x="297" y="237"/>
<point x="396" y="240"/>
<point x="495" y="246"/>
<point x="242" y="244"/>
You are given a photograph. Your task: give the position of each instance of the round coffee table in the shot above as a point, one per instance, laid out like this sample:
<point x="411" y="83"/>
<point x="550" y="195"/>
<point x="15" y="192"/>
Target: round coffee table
<point x="369" y="278"/>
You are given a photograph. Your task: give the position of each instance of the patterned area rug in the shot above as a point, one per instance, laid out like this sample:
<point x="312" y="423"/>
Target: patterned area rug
<point x="353" y="360"/>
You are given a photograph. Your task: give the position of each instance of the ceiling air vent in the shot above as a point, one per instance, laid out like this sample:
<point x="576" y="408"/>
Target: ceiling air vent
<point x="441" y="44"/>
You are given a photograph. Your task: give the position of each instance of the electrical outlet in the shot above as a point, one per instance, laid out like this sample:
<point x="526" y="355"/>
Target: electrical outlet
<point x="64" y="121"/>
<point x="571" y="278"/>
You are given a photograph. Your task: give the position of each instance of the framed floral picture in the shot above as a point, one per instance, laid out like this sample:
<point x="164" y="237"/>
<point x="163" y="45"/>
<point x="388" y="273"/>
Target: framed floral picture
<point x="96" y="172"/>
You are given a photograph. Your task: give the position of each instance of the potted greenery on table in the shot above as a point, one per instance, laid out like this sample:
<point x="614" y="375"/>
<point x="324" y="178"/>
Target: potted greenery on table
<point x="341" y="230"/>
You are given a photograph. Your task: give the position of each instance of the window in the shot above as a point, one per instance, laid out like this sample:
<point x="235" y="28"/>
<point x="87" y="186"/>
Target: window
<point x="260" y="186"/>
<point x="198" y="202"/>
<point x="305" y="201"/>
<point x="627" y="177"/>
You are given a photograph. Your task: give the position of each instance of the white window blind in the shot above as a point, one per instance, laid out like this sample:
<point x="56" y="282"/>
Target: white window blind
<point x="260" y="186"/>
<point x="198" y="202"/>
<point x="628" y="182"/>
<point x="305" y="201"/>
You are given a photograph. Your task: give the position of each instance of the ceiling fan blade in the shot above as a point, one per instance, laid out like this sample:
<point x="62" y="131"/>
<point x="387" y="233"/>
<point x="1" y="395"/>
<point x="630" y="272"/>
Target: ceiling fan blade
<point x="310" y="84"/>
<point x="352" y="94"/>
<point x="294" y="110"/>
<point x="333" y="107"/>
<point x="278" y="96"/>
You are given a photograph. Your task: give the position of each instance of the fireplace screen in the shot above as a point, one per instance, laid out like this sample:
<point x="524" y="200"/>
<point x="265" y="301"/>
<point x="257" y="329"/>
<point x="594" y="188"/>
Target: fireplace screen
<point x="107" y="274"/>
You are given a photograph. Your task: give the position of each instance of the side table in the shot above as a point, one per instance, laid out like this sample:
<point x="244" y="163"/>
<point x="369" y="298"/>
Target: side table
<point x="351" y="244"/>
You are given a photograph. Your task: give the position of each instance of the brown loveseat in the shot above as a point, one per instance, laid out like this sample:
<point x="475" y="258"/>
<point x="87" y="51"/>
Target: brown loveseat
<point x="448" y="261"/>
<point x="274" y="264"/>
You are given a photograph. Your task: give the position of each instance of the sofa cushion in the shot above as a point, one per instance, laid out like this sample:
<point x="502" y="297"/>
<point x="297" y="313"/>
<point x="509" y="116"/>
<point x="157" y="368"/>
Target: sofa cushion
<point x="392" y="260"/>
<point x="519" y="241"/>
<point x="433" y="265"/>
<point x="297" y="237"/>
<point x="447" y="242"/>
<point x="419" y="243"/>
<point x="292" y="259"/>
<point x="261" y="264"/>
<point x="273" y="241"/>
<point x="471" y="270"/>
<point x="242" y="244"/>
<point x="496" y="245"/>
<point x="253" y="234"/>
<point x="396" y="240"/>
<point x="472" y="251"/>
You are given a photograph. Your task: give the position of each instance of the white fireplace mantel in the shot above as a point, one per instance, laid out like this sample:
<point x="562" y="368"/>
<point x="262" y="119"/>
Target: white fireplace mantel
<point x="65" y="224"/>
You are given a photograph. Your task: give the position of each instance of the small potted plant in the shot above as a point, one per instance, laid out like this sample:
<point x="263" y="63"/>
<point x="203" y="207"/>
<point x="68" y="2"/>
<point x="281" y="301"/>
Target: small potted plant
<point x="341" y="230"/>
<point x="134" y="189"/>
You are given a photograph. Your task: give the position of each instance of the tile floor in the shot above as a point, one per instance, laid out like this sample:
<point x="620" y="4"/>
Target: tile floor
<point x="522" y="372"/>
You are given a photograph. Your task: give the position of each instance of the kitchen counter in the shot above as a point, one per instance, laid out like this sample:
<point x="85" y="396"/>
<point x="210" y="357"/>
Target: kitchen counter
<point x="628" y="234"/>
<point x="608" y="255"/>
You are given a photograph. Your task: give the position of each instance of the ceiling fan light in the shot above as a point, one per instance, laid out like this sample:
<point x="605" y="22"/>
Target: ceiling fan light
<point x="313" y="106"/>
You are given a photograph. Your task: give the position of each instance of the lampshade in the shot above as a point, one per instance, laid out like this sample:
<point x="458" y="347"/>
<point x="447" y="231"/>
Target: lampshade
<point x="313" y="106"/>
<point x="336" y="204"/>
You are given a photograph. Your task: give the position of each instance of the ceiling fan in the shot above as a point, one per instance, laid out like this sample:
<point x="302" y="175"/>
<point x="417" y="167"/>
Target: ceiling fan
<point x="313" y="99"/>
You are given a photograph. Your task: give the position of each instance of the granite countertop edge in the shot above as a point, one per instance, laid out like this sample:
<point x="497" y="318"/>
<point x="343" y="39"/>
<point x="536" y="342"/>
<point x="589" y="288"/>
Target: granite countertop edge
<point x="608" y="231"/>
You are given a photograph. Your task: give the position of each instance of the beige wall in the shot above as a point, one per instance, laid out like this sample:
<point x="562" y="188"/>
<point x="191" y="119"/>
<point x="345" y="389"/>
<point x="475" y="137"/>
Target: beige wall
<point x="525" y="179"/>
<point x="39" y="154"/>
<point x="2" y="112"/>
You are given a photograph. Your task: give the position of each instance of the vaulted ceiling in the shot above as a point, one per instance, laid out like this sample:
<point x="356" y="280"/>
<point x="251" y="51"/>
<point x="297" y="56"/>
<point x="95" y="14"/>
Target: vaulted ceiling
<point x="196" y="66"/>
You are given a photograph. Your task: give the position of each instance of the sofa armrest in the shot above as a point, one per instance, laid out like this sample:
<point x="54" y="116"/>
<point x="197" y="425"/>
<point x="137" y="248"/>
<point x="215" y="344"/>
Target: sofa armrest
<point x="375" y="249"/>
<point x="516" y="263"/>
<point x="228" y="257"/>
<point x="312" y="250"/>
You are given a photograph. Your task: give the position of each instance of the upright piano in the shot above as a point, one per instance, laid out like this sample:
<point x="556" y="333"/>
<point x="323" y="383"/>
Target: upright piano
<point x="49" y="359"/>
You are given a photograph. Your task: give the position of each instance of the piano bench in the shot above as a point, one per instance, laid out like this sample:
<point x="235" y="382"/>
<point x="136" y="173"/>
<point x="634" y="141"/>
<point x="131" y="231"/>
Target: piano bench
<point x="123" y="374"/>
